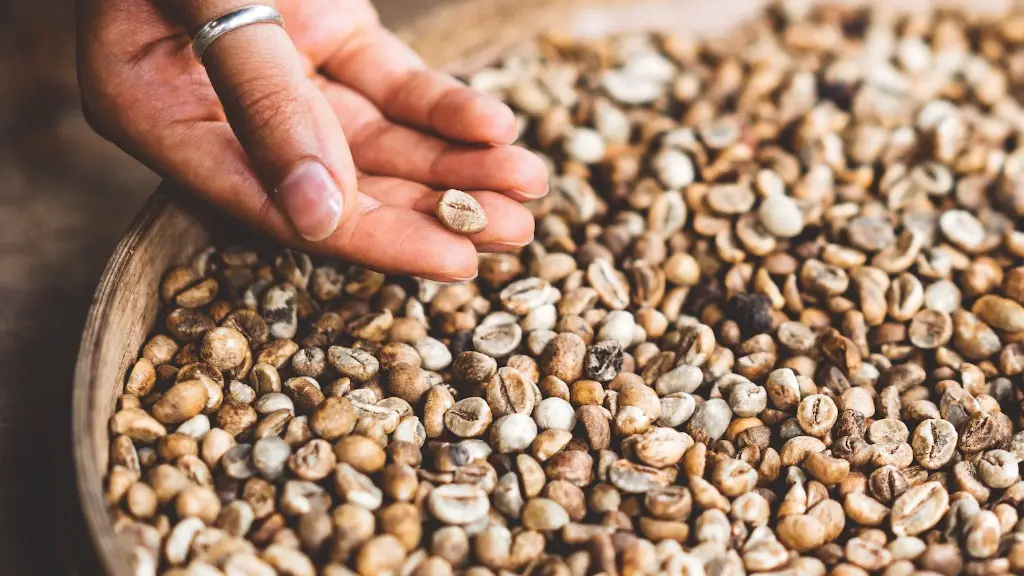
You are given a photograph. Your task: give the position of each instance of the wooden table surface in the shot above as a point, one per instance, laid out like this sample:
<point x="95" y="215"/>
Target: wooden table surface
<point x="65" y="199"/>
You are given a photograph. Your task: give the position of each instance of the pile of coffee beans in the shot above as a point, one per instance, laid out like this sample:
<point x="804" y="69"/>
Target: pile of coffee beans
<point x="772" y="322"/>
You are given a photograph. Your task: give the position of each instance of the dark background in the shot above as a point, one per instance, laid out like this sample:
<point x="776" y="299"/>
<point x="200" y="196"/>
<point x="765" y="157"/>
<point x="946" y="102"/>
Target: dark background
<point x="66" y="197"/>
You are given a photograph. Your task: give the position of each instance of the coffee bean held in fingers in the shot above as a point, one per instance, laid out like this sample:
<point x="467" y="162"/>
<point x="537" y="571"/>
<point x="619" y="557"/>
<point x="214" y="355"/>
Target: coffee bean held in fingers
<point x="460" y="212"/>
<point x="771" y="323"/>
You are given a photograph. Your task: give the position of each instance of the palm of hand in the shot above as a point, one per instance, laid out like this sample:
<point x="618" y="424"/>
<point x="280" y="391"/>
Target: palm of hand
<point x="216" y="129"/>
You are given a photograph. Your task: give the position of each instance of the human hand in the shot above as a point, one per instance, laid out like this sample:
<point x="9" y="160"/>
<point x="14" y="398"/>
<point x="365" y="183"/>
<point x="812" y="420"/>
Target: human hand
<point x="332" y="136"/>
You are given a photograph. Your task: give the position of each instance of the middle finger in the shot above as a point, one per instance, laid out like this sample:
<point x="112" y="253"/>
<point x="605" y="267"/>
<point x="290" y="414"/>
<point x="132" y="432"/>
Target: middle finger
<point x="382" y="148"/>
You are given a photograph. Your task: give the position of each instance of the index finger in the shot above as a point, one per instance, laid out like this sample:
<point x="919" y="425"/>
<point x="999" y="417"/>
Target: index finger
<point x="392" y="76"/>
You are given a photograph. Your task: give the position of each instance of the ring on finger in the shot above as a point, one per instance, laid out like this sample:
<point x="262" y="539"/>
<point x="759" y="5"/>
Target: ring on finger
<point x="214" y="29"/>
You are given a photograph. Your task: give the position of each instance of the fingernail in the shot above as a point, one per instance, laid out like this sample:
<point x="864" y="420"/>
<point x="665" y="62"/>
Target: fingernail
<point x="491" y="247"/>
<point x="311" y="200"/>
<point x="448" y="279"/>
<point x="534" y="195"/>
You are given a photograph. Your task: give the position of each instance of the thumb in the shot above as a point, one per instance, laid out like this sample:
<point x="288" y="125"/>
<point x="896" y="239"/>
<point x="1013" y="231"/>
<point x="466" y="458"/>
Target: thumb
<point x="288" y="129"/>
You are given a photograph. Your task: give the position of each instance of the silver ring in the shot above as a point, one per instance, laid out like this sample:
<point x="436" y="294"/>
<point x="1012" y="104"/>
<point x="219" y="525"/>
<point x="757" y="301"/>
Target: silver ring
<point x="255" y="14"/>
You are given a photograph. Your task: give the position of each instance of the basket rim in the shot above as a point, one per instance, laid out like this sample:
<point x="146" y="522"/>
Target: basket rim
<point x="89" y="478"/>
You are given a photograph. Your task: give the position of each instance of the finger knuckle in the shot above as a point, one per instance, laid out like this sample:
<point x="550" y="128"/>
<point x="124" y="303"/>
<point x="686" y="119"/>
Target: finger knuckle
<point x="111" y="105"/>
<point x="102" y="117"/>
<point x="270" y="107"/>
<point x="96" y="103"/>
<point x="409" y="85"/>
<point x="354" y="226"/>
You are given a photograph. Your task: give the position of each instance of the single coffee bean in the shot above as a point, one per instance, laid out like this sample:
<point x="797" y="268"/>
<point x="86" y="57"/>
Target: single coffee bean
<point x="458" y="503"/>
<point x="461" y="213"/>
